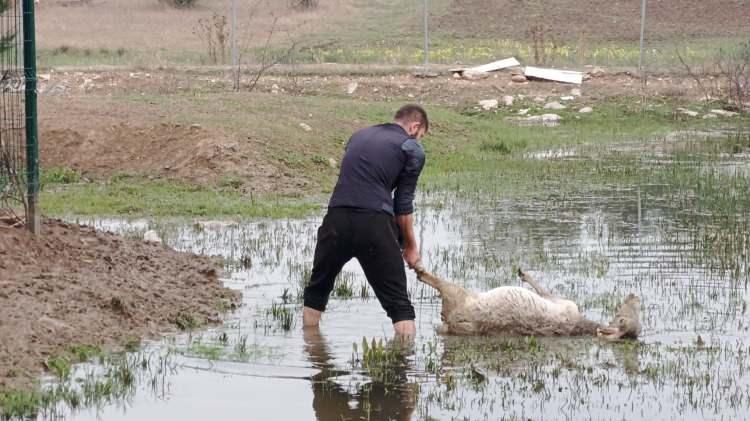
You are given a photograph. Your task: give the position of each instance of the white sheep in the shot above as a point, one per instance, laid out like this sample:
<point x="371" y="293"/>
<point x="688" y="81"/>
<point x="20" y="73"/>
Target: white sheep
<point x="512" y="310"/>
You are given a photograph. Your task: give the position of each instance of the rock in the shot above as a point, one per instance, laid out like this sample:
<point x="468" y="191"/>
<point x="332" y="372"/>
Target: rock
<point x="523" y="111"/>
<point x="44" y="76"/>
<point x="488" y="104"/>
<point x="151" y="236"/>
<point x="540" y="99"/>
<point x="724" y="113"/>
<point x="508" y="100"/>
<point x="575" y="92"/>
<point x="567" y="98"/>
<point x="586" y="110"/>
<point x="305" y="127"/>
<point x="332" y="163"/>
<point x="518" y="78"/>
<point x="707" y="116"/>
<point x="274" y="89"/>
<point x="456" y="75"/>
<point x="352" y="87"/>
<point x="554" y="106"/>
<point x="687" y="112"/>
<point x="474" y="75"/>
<point x="195" y="127"/>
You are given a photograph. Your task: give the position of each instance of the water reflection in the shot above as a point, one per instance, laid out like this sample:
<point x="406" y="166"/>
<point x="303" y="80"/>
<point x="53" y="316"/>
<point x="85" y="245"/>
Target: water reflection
<point x="389" y="398"/>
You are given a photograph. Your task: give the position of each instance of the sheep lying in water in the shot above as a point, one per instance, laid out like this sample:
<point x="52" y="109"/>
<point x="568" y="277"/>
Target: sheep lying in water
<point x="512" y="310"/>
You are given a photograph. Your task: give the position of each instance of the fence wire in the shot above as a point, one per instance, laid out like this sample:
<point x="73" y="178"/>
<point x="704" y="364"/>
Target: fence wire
<point x="12" y="114"/>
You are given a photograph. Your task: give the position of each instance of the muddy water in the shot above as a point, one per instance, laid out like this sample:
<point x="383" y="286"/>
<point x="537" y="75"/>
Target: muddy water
<point x="594" y="248"/>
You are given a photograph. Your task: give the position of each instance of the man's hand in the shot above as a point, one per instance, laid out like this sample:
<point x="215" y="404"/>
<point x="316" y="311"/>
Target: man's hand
<point x="412" y="257"/>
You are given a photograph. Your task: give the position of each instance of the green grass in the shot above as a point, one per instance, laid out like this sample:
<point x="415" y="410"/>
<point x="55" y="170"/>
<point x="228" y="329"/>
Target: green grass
<point x="140" y="196"/>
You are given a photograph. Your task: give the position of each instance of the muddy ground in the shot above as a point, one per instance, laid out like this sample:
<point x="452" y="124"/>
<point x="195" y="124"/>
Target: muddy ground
<point x="77" y="286"/>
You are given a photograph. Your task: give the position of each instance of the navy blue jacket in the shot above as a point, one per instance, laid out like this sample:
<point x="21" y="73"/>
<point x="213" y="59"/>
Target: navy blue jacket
<point x="378" y="160"/>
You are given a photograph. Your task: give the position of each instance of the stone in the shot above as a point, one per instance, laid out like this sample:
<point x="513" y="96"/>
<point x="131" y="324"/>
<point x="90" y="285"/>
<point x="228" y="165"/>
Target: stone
<point x="586" y="110"/>
<point x="332" y="163"/>
<point x="488" y="104"/>
<point x="508" y="100"/>
<point x="554" y="106"/>
<point x="352" y="87"/>
<point x="518" y="78"/>
<point x="305" y="127"/>
<point x="274" y="89"/>
<point x="575" y="92"/>
<point x="687" y="112"/>
<point x="567" y="98"/>
<point x="708" y="116"/>
<point x="724" y="113"/>
<point x="523" y="111"/>
<point x="474" y="75"/>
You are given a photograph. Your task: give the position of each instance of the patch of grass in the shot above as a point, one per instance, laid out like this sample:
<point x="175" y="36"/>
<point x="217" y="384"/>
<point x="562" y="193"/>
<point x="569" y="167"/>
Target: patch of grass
<point x="59" y="366"/>
<point x="139" y="196"/>
<point x="209" y="352"/>
<point x="83" y="353"/>
<point x="58" y="175"/>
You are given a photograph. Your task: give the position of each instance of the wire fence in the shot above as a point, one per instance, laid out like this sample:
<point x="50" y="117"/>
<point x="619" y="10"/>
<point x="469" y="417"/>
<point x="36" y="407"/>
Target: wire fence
<point x="12" y="116"/>
<point x="19" y="171"/>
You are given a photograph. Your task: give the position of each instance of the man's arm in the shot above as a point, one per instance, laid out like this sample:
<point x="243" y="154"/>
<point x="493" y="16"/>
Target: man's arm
<point x="403" y="201"/>
<point x="411" y="251"/>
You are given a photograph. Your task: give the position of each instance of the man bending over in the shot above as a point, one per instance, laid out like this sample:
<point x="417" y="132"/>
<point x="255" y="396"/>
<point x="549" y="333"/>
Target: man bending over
<point x="371" y="204"/>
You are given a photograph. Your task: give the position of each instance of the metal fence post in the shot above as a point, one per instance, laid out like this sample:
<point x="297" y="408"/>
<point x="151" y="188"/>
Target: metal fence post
<point x="643" y="30"/>
<point x="426" y="36"/>
<point x="32" y="142"/>
<point x="235" y="55"/>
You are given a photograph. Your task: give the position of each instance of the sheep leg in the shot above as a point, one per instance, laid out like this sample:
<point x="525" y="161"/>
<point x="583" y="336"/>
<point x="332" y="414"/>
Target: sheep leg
<point x="538" y="288"/>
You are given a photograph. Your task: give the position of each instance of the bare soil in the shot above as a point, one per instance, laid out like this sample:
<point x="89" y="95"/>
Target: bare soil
<point x="75" y="285"/>
<point x="596" y="19"/>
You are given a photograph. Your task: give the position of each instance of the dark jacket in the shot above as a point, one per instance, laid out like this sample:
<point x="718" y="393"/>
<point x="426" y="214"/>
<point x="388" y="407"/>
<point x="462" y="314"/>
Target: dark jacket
<point x="378" y="160"/>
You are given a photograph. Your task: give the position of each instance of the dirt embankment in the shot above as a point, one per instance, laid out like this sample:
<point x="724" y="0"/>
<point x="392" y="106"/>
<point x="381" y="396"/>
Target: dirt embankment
<point x="173" y="151"/>
<point x="74" y="285"/>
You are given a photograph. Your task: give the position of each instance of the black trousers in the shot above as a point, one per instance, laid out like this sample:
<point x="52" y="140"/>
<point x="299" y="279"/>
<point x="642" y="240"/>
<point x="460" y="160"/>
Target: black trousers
<point x="372" y="238"/>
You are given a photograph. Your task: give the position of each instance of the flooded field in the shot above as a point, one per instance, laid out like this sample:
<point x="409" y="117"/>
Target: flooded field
<point x="668" y="224"/>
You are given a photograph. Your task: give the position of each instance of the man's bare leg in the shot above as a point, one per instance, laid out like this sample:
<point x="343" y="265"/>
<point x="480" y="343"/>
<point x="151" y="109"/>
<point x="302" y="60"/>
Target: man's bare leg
<point x="405" y="329"/>
<point x="538" y="288"/>
<point x="310" y="317"/>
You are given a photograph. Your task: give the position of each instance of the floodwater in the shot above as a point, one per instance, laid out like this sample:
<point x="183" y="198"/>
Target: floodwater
<point x="594" y="248"/>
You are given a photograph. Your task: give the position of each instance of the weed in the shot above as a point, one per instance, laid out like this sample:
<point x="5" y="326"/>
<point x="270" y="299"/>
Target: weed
<point x="187" y="321"/>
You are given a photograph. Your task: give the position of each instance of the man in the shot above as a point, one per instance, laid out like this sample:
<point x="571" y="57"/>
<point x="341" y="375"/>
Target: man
<point x="371" y="203"/>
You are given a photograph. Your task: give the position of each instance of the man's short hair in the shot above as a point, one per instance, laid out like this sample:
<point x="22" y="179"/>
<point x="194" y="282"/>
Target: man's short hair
<point x="412" y="112"/>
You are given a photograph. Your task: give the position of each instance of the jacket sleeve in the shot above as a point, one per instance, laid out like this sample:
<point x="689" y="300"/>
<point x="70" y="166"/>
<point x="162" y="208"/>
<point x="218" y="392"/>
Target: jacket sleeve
<point x="406" y="184"/>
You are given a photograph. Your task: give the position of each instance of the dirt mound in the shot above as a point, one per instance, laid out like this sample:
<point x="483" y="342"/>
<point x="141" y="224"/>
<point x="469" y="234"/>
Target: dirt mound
<point x="187" y="153"/>
<point x="597" y="19"/>
<point x="74" y="285"/>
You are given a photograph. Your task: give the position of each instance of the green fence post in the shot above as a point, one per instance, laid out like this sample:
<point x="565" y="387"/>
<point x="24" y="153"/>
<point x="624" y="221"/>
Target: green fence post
<point x="32" y="142"/>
